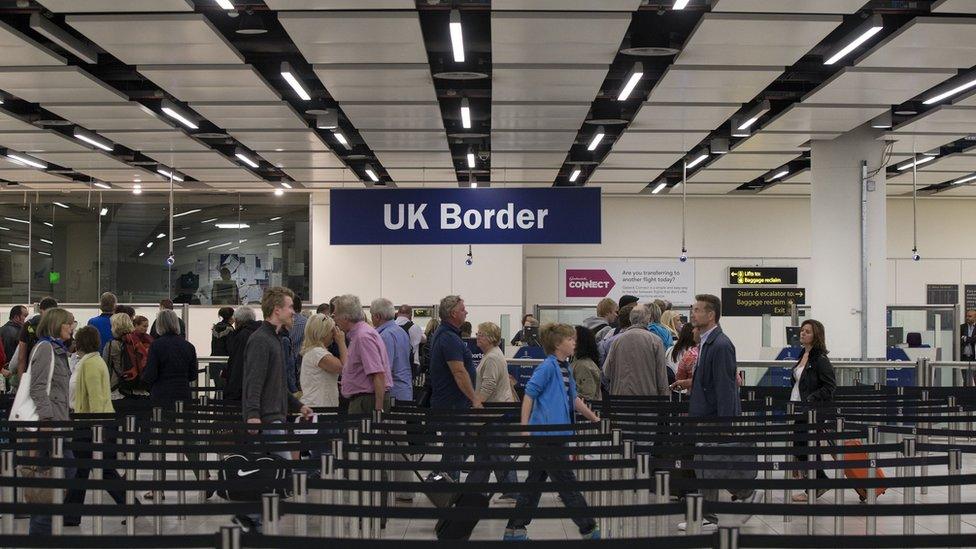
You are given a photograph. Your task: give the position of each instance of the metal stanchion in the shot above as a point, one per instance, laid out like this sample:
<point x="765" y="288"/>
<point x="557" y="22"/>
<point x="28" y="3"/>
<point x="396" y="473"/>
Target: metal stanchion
<point x="180" y="457"/>
<point x="7" y="492"/>
<point x="299" y="486"/>
<point x="614" y="473"/>
<point x="643" y="495"/>
<point x="57" y="472"/>
<point x="230" y="537"/>
<point x="812" y="473"/>
<point x="790" y="458"/>
<point x="343" y="526"/>
<point x="629" y="473"/>
<point x="662" y="487"/>
<point x="157" y="474"/>
<point x="728" y="537"/>
<point x="767" y="457"/>
<point x="908" y="451"/>
<point x="327" y="496"/>
<point x="839" y="474"/>
<point x="98" y="437"/>
<point x="923" y="439"/>
<point x="693" y="514"/>
<point x="955" y="490"/>
<point x="270" y="516"/>
<point x="871" y="523"/>
<point x="130" y="495"/>
<point x="602" y="496"/>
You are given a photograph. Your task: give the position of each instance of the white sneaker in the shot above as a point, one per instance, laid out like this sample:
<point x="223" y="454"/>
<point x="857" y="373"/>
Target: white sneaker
<point x="756" y="497"/>
<point x="707" y="526"/>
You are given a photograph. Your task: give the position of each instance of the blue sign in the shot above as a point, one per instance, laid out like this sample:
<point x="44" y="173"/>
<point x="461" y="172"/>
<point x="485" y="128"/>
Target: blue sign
<point x="466" y="216"/>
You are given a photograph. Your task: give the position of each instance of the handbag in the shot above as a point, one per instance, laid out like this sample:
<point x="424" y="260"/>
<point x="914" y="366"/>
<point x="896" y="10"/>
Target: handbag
<point x="23" y="408"/>
<point x="36" y="494"/>
<point x="730" y="473"/>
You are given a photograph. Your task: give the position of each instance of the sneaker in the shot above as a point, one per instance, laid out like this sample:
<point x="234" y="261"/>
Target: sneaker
<point x="516" y="534"/>
<point x="708" y="525"/>
<point x="592" y="534"/>
<point x="505" y="499"/>
<point x="756" y="497"/>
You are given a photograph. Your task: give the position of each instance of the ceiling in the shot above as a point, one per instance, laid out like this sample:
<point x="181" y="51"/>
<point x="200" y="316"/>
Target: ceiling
<point x="380" y="94"/>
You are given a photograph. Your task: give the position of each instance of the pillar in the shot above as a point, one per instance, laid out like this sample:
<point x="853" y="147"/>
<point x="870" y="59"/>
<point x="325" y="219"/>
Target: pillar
<point x="837" y="243"/>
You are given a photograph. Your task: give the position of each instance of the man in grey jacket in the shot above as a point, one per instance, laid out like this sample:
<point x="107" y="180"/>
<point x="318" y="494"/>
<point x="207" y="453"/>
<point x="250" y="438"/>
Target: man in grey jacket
<point x="265" y="396"/>
<point x="636" y="365"/>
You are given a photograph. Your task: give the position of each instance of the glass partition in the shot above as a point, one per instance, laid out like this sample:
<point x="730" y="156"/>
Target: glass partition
<point x="923" y="331"/>
<point x="14" y="250"/>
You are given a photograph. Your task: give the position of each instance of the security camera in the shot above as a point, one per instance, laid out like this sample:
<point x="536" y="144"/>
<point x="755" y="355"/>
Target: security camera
<point x="469" y="261"/>
<point x="484" y="155"/>
<point x="684" y="255"/>
<point x="171" y="259"/>
<point x="916" y="257"/>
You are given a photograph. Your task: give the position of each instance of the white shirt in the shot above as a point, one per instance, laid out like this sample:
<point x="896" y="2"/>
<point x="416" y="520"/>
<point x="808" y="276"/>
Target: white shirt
<point x="797" y="374"/>
<point x="319" y="388"/>
<point x="416" y="334"/>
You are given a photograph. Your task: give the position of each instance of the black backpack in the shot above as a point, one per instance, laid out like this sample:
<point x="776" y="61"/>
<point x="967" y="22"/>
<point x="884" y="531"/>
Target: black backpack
<point x="413" y="365"/>
<point x="243" y="467"/>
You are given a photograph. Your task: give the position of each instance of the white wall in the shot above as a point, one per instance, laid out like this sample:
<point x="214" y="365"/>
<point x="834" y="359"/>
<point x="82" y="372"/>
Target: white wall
<point x="418" y="275"/>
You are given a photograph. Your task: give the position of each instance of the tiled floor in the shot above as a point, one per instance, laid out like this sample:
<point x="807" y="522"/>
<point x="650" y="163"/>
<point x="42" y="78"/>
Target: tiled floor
<point x="565" y="529"/>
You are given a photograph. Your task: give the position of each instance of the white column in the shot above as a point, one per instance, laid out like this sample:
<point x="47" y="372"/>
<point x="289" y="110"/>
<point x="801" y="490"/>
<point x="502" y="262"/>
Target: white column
<point x="834" y="291"/>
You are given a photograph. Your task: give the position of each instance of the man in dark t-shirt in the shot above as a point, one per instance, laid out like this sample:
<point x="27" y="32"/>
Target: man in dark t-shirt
<point x="28" y="335"/>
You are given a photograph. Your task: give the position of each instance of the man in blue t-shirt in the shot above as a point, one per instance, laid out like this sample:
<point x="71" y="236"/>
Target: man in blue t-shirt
<point x="103" y="322"/>
<point x="452" y="371"/>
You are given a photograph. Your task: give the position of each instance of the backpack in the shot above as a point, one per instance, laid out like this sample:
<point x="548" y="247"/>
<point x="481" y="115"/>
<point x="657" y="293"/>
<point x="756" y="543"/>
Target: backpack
<point x="413" y="358"/>
<point x="135" y="355"/>
<point x="242" y="467"/>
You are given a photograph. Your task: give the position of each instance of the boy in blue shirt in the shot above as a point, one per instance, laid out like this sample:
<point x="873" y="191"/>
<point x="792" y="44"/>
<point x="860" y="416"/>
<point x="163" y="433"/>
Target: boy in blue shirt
<point x="550" y="399"/>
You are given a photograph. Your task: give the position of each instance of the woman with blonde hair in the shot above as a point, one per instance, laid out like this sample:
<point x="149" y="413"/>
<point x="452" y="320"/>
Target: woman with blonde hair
<point x="319" y="374"/>
<point x="672" y="321"/>
<point x="112" y="352"/>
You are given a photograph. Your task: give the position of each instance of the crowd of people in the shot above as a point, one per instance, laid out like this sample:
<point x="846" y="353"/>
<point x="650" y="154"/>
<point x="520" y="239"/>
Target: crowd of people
<point x="340" y="356"/>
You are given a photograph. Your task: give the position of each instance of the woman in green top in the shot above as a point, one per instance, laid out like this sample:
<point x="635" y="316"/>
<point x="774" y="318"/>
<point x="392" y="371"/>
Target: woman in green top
<point x="93" y="395"/>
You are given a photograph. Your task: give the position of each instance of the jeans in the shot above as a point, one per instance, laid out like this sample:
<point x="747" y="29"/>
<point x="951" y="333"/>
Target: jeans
<point x="570" y="499"/>
<point x="40" y="525"/>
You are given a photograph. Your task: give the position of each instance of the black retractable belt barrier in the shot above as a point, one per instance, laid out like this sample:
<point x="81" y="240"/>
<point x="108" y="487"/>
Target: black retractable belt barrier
<point x="292" y="542"/>
<point x="851" y="542"/>
<point x="110" y="542"/>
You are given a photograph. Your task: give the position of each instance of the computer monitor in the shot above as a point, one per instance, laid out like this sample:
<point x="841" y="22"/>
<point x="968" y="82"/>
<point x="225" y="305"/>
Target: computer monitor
<point x="530" y="335"/>
<point x="793" y="336"/>
<point x="896" y="336"/>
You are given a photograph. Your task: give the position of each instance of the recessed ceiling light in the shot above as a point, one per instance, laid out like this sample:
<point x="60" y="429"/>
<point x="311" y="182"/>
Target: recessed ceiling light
<point x="211" y="220"/>
<point x="17" y="220"/>
<point x="272" y="233"/>
<point x="575" y="175"/>
<point x="60" y="205"/>
<point x="103" y="212"/>
<point x="860" y="35"/>
<point x="702" y="156"/>
<point x="779" y="174"/>
<point x="597" y="138"/>
<point x="178" y="239"/>
<point x="161" y="235"/>
<point x="636" y="73"/>
<point x="472" y="181"/>
<point x="274" y="244"/>
<point x="243" y="157"/>
<point x="45" y="253"/>
<point x="342" y="140"/>
<point x="101" y="185"/>
<point x="286" y="184"/>
<point x="465" y="113"/>
<point x="46" y="241"/>
<point x="48" y="224"/>
<point x="680" y="4"/>
<point x="750" y="117"/>
<point x="371" y="173"/>
<point x="170" y="174"/>
<point x="15" y="245"/>
<point x="188" y="212"/>
<point x="470" y="157"/>
<point x="457" y="38"/>
<point x="197" y="243"/>
<point x="150" y="244"/>
<point x="225" y="4"/>
<point x="142" y="254"/>
<point x="275" y="218"/>
<point x="137" y="189"/>
<point x="290" y="76"/>
<point x="966" y="179"/>
<point x="232" y="226"/>
<point x="279" y="192"/>
<point x="882" y="121"/>
<point x="215" y="246"/>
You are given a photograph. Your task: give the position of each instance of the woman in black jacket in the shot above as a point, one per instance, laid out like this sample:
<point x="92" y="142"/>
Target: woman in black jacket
<point x="172" y="363"/>
<point x="244" y="325"/>
<point x="813" y="381"/>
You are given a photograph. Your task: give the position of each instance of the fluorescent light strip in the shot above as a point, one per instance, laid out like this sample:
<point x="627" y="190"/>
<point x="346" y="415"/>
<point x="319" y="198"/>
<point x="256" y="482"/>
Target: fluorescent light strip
<point x="286" y="184"/>
<point x="211" y="220"/>
<point x="46" y="241"/>
<point x="465" y="113"/>
<point x="197" y="243"/>
<point x="274" y="244"/>
<point x="660" y="187"/>
<point x="342" y="140"/>
<point x="275" y="232"/>
<point x="91" y="140"/>
<point x="171" y="175"/>
<point x="680" y="4"/>
<point x="23" y="159"/>
<point x="18" y="245"/>
<point x="45" y="253"/>
<point x="372" y="175"/>
<point x="745" y="125"/>
<point x="60" y="205"/>
<point x="279" y="192"/>
<point x="953" y="91"/>
<point x="288" y="74"/>
<point x="276" y="218"/>
<point x="49" y="224"/>
<point x="214" y="247"/>
<point x="779" y="175"/>
<point x="966" y="179"/>
<point x="595" y="142"/>
<point x="4" y="228"/>
<point x="160" y="235"/>
<point x="17" y="220"/>
<point x="226" y="4"/>
<point x="854" y="44"/>
<point x="142" y="254"/>
<point x="150" y="244"/>
<point x="4" y="249"/>
<point x="916" y="162"/>
<point x="698" y="160"/>
<point x="178" y="239"/>
<point x="471" y="162"/>
<point x="457" y="37"/>
<point x="104" y="212"/>
<point x="179" y="118"/>
<point x="188" y="212"/>
<point x="234" y="248"/>
<point x="575" y="175"/>
<point x="245" y="159"/>
<point x="631" y="84"/>
<point x="101" y="185"/>
<point x="232" y="226"/>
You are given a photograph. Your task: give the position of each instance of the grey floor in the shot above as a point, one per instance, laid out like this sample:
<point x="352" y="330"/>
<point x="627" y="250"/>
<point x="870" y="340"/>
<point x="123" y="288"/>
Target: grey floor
<point x="565" y="529"/>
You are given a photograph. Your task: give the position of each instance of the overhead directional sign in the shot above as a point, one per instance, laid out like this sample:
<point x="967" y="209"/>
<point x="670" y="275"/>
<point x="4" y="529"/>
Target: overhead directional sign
<point x="749" y="276"/>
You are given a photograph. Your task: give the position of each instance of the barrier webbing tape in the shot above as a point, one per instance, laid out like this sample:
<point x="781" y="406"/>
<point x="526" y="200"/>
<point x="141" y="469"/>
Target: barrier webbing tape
<point x="803" y="465"/>
<point x="482" y="440"/>
<point x="561" y="465"/>
<point x="490" y="513"/>
<point x="706" y="541"/>
<point x="222" y="448"/>
<point x="147" y="465"/>
<point x="240" y="424"/>
<point x="859" y="542"/>
<point x="143" y="510"/>
<point x="766" y="450"/>
<point x="314" y="434"/>
<point x="138" y="485"/>
<point x="964" y="448"/>
<point x="529" y="450"/>
<point x="818" y="510"/>
<point x="110" y="542"/>
<point x="899" y="418"/>
<point x="846" y="435"/>
<point x="828" y="483"/>
<point x="919" y="431"/>
<point x="477" y="427"/>
<point x="643" y="427"/>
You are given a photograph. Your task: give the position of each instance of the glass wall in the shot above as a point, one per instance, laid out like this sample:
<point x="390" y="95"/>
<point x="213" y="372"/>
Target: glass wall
<point x="75" y="246"/>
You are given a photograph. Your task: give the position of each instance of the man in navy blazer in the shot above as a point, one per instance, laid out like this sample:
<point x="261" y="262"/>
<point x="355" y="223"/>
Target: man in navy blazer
<point x="714" y="391"/>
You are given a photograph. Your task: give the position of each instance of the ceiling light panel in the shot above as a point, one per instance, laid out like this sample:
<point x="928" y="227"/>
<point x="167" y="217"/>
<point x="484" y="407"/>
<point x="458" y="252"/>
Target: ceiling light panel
<point x="538" y="116"/>
<point x="158" y="39"/>
<point x="56" y="85"/>
<point x="97" y="117"/>
<point x="926" y="42"/>
<point x="664" y="141"/>
<point x="251" y="115"/>
<point x="870" y="86"/>
<point x="823" y="118"/>
<point x="754" y="39"/>
<point x="21" y="50"/>
<point x="549" y="37"/>
<point x="712" y="84"/>
<point x="211" y="82"/>
<point x="789" y="6"/>
<point x="35" y="141"/>
<point x="110" y="6"/>
<point x="155" y="141"/>
<point x="375" y="83"/>
<point x="410" y="115"/>
<point x="357" y="36"/>
<point x="943" y="119"/>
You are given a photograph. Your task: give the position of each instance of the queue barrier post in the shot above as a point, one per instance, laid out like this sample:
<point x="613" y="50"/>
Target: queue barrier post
<point x="230" y="537"/>
<point x="157" y="474"/>
<point x="613" y="531"/>
<point x="790" y="458"/>
<point x="7" y="492"/>
<point x="343" y="525"/>
<point x="871" y="524"/>
<point x="838" y="498"/>
<point x="630" y="473"/>
<point x="767" y="474"/>
<point x="922" y="439"/>
<point x="728" y="537"/>
<point x="662" y="487"/>
<point x="908" y="450"/>
<point x="299" y="486"/>
<point x="955" y="490"/>
<point x="57" y="452"/>
<point x="98" y="437"/>
<point x="812" y="492"/>
<point x="270" y="514"/>
<point x="643" y="496"/>
<point x="327" y="524"/>
<point x="693" y="513"/>
<point x="377" y="499"/>
<point x="180" y="457"/>
<point x="130" y="495"/>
